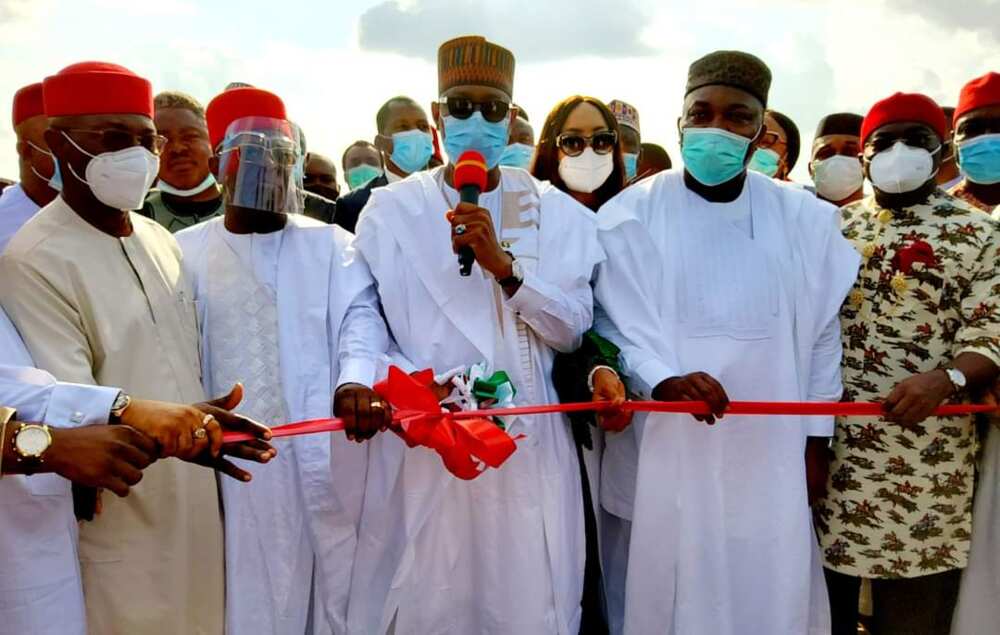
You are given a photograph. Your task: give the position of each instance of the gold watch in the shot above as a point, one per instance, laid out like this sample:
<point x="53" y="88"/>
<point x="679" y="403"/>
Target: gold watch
<point x="30" y="443"/>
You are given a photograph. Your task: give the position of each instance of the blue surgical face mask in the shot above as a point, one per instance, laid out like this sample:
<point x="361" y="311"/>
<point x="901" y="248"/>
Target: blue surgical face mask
<point x="475" y="133"/>
<point x="411" y="150"/>
<point x="765" y="161"/>
<point x="360" y="176"/>
<point x="979" y="159"/>
<point x="713" y="155"/>
<point x="517" y="155"/>
<point x="631" y="165"/>
<point x="54" y="181"/>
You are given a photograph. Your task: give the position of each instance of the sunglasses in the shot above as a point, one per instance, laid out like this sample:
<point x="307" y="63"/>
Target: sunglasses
<point x="493" y="111"/>
<point x="113" y="139"/>
<point x="916" y="138"/>
<point x="573" y="144"/>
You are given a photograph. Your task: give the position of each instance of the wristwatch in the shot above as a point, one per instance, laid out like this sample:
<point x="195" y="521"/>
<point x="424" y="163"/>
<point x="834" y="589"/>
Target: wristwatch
<point x="956" y="377"/>
<point x="516" y="272"/>
<point x="118" y="408"/>
<point x="30" y="443"/>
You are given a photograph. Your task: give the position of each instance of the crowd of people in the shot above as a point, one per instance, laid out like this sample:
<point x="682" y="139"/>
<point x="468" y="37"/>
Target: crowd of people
<point x="173" y="274"/>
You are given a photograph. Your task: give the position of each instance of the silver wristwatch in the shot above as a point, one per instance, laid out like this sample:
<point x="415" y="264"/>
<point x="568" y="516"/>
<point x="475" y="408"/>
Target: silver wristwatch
<point x="956" y="377"/>
<point x="121" y="404"/>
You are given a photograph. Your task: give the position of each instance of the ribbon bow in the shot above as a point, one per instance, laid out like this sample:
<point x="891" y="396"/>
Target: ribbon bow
<point x="464" y="445"/>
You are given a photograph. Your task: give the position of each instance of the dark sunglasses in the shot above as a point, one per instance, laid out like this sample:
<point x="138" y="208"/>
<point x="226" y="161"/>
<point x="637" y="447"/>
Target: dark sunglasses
<point x="113" y="139"/>
<point x="493" y="111"/>
<point x="573" y="144"/>
<point x="916" y="138"/>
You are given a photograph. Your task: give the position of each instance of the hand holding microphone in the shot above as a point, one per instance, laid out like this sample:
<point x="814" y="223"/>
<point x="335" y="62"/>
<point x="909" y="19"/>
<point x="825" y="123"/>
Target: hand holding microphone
<point x="473" y="236"/>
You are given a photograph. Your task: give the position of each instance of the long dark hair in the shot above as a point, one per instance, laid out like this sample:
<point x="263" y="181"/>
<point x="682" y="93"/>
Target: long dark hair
<point x="545" y="166"/>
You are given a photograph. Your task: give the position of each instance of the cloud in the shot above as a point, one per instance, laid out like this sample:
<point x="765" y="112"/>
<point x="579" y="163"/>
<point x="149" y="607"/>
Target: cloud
<point x="535" y="31"/>
<point x="978" y="16"/>
<point x="11" y="10"/>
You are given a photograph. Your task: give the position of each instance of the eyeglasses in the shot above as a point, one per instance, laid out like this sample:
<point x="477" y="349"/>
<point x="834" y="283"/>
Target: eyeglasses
<point x="573" y="144"/>
<point x="114" y="139"/>
<point x="977" y="127"/>
<point x="769" y="140"/>
<point x="493" y="111"/>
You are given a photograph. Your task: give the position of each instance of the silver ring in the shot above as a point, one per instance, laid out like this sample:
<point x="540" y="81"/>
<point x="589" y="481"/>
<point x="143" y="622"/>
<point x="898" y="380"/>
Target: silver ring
<point x="460" y="229"/>
<point x="200" y="433"/>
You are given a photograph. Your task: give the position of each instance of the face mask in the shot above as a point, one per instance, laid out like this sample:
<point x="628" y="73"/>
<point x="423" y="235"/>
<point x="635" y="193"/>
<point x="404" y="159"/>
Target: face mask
<point x="837" y="177"/>
<point x="712" y="155"/>
<point x="631" y="165"/>
<point x="55" y="181"/>
<point x="517" y="155"/>
<point x="361" y="175"/>
<point x="901" y="168"/>
<point x="194" y="191"/>
<point x="119" y="179"/>
<point x="765" y="161"/>
<point x="587" y="171"/>
<point x="979" y="159"/>
<point x="475" y="133"/>
<point x="411" y="150"/>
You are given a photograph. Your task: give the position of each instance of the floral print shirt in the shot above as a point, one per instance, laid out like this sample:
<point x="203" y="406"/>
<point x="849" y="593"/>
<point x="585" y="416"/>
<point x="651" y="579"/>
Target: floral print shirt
<point x="899" y="501"/>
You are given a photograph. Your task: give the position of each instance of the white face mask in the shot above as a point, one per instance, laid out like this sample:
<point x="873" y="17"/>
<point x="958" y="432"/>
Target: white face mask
<point x="587" y="171"/>
<point x="837" y="177"/>
<point x="209" y="181"/>
<point x="119" y="179"/>
<point x="901" y="168"/>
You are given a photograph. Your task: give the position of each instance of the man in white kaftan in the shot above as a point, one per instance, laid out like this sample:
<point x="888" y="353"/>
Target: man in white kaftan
<point x="286" y="309"/>
<point x="716" y="270"/>
<point x="503" y="553"/>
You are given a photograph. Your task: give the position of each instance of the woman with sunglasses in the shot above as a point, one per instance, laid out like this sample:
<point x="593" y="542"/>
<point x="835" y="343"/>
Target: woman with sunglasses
<point x="579" y="152"/>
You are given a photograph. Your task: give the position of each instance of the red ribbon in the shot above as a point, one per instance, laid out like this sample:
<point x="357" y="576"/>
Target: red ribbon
<point x="466" y="440"/>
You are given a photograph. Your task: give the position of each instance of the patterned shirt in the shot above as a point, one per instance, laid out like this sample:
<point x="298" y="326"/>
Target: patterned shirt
<point x="899" y="500"/>
<point x="962" y="192"/>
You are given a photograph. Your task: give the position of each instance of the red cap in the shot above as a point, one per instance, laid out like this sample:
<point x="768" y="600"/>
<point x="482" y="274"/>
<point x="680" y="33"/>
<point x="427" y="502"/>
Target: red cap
<point x="28" y="103"/>
<point x="980" y="92"/>
<point x="905" y="107"/>
<point x="238" y="103"/>
<point x="97" y="88"/>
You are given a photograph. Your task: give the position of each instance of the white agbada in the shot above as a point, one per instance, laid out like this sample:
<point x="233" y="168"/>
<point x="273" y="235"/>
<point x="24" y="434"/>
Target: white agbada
<point x="39" y="568"/>
<point x="749" y="292"/>
<point x="16" y="209"/>
<point x="504" y="553"/>
<point x="978" y="610"/>
<point x="291" y="314"/>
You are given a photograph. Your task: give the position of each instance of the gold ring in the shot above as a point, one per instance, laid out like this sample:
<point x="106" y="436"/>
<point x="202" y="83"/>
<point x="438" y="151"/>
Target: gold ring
<point x="200" y="433"/>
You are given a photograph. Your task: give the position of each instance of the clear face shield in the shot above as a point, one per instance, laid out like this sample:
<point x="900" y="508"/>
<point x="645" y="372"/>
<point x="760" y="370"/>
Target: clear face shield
<point x="261" y="165"/>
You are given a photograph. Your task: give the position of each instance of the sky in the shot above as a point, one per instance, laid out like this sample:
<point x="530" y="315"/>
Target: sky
<point x="335" y="63"/>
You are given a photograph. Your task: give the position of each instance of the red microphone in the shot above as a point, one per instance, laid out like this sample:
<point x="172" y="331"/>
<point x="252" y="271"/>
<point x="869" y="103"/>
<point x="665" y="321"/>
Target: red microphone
<point x="470" y="181"/>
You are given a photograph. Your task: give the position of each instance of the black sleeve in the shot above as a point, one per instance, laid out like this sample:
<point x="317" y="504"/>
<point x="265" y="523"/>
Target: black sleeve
<point x="569" y="375"/>
<point x="349" y="208"/>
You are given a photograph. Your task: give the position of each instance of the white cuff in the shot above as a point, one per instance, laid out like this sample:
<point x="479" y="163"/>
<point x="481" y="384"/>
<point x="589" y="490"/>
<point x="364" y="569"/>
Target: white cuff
<point x="651" y="373"/>
<point x="357" y="370"/>
<point x="820" y="426"/>
<point x="528" y="299"/>
<point x="73" y="405"/>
